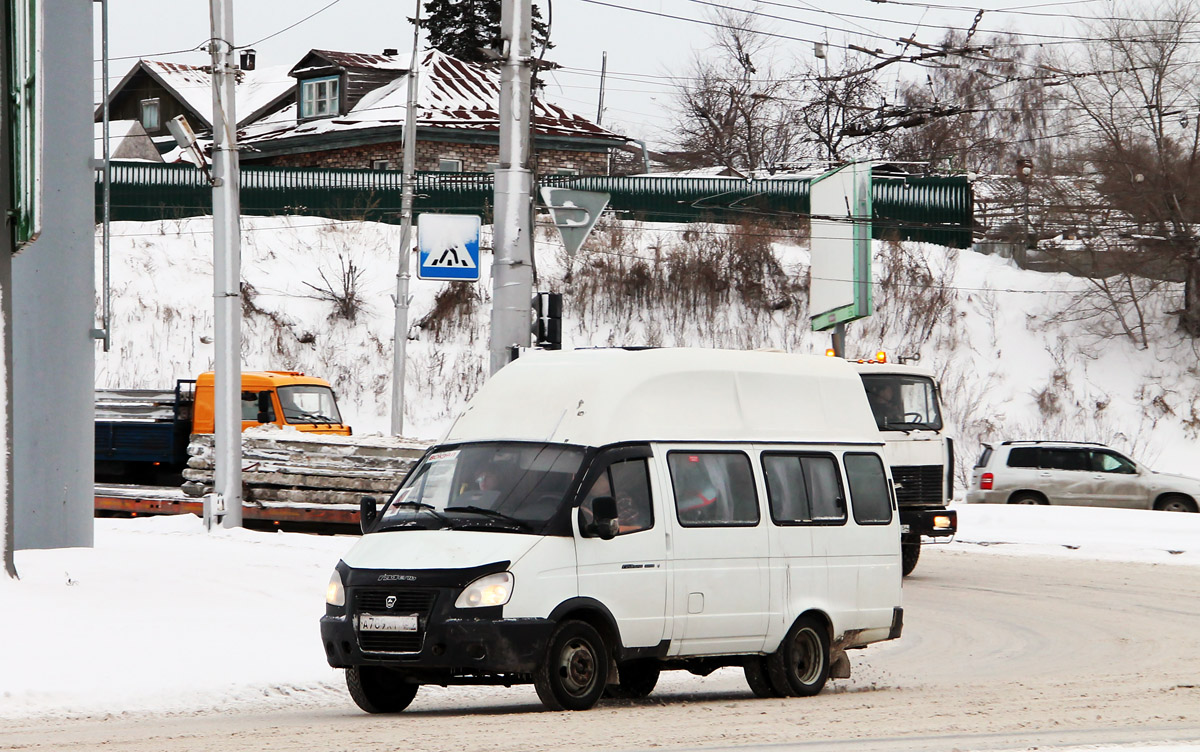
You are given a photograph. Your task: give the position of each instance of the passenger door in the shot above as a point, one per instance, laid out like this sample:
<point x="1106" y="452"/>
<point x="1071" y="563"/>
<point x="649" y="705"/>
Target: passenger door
<point x="1068" y="478"/>
<point x="718" y="553"/>
<point x="1118" y="481"/>
<point x="627" y="574"/>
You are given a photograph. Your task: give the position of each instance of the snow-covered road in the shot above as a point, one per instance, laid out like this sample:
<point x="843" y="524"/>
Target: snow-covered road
<point x="1070" y="626"/>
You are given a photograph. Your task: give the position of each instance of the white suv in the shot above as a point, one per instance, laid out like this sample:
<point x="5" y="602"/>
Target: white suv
<point x="1061" y="472"/>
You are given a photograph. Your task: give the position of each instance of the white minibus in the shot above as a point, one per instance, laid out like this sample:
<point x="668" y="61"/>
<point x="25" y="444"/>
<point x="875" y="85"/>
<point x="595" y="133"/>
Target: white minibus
<point x="596" y="517"/>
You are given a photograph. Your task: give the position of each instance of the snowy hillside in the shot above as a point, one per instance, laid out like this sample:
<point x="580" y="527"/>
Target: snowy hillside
<point x="1012" y="365"/>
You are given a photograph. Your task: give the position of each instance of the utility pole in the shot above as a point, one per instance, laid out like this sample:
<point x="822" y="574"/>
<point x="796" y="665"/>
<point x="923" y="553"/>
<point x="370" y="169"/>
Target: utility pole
<point x="226" y="501"/>
<point x="512" y="265"/>
<point x="603" y="71"/>
<point x="400" y="333"/>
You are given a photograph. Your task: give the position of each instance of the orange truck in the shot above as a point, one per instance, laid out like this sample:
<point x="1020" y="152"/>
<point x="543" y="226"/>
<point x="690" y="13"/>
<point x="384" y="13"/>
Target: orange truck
<point x="142" y="435"/>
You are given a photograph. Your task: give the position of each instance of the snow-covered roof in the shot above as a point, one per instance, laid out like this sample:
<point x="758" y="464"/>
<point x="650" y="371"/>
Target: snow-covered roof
<point x="357" y="60"/>
<point x="127" y="140"/>
<point x="255" y="91"/>
<point x="697" y="172"/>
<point x="452" y="94"/>
<point x="600" y="397"/>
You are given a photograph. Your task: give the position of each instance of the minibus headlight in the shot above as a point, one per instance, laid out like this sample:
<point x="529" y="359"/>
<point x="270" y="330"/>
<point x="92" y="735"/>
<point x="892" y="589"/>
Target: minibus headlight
<point x="490" y="590"/>
<point x="941" y="522"/>
<point x="335" y="594"/>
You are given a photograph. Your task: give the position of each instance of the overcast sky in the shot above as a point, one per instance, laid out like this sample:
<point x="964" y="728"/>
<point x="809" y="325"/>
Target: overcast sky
<point x="647" y="40"/>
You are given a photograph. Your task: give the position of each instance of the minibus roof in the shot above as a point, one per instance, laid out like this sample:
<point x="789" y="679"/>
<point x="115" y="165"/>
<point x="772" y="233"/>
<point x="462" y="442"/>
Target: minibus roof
<point x="606" y="396"/>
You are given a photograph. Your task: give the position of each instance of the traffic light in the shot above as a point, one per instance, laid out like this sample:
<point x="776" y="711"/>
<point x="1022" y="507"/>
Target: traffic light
<point x="547" y="320"/>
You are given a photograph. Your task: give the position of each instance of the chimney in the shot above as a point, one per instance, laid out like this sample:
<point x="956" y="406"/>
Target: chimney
<point x="391" y="52"/>
<point x="247" y="60"/>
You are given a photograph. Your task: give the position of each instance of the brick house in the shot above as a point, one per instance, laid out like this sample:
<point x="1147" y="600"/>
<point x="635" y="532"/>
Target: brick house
<point x="349" y="112"/>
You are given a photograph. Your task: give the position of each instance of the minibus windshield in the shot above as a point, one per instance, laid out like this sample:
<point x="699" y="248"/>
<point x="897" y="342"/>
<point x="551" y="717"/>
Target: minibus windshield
<point x="502" y="486"/>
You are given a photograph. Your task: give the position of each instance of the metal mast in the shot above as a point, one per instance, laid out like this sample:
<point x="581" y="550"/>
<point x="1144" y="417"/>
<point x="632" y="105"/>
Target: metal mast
<point x="512" y="270"/>
<point x="226" y="503"/>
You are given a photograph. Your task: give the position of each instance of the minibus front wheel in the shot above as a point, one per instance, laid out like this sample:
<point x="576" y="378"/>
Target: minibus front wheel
<point x="573" y="672"/>
<point x="379" y="690"/>
<point x="802" y="661"/>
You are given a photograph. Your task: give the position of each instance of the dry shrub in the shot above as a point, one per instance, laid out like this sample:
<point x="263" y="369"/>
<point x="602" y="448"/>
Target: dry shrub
<point x="454" y="311"/>
<point x="341" y="289"/>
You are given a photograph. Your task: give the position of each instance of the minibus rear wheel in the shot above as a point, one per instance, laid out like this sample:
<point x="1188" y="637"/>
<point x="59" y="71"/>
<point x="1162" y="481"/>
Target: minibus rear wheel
<point x="758" y="678"/>
<point x="637" y="679"/>
<point x="802" y="661"/>
<point x="572" y="674"/>
<point x="379" y="690"/>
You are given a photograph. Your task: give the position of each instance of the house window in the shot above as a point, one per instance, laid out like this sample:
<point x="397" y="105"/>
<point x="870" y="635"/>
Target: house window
<point x="449" y="165"/>
<point x="150" y="114"/>
<point x="380" y="164"/>
<point x="319" y="97"/>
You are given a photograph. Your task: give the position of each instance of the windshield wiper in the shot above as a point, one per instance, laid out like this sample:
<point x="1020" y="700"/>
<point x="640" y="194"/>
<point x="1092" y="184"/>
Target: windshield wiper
<point x="422" y="506"/>
<point x="493" y="514"/>
<point x="310" y="417"/>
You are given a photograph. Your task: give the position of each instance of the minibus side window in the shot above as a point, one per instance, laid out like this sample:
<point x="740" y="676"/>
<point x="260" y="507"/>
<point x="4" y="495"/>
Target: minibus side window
<point x="825" y="489"/>
<point x="868" y="489"/>
<point x="713" y="489"/>
<point x="804" y="489"/>
<point x="628" y="482"/>
<point x="787" y="493"/>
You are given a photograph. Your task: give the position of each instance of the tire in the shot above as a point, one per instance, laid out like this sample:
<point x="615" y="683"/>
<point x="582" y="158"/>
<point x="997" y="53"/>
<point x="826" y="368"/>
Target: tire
<point x="574" y="671"/>
<point x="802" y="661"/>
<point x="1026" y="497"/>
<point x="910" y="552"/>
<point x="638" y="679"/>
<point x="379" y="690"/>
<point x="1175" y="503"/>
<point x="758" y="678"/>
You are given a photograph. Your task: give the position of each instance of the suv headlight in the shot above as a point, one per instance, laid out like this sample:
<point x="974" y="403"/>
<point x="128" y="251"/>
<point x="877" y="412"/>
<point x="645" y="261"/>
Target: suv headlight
<point x="335" y="594"/>
<point x="490" y="590"/>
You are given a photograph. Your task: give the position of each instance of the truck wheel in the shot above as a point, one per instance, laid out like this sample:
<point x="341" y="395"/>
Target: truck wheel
<point x="802" y="661"/>
<point x="758" y="678"/>
<point x="910" y="551"/>
<point x="572" y="674"/>
<point x="638" y="679"/>
<point x="379" y="690"/>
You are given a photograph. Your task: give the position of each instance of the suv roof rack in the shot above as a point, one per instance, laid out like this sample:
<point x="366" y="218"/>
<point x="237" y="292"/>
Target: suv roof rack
<point x="1051" y="441"/>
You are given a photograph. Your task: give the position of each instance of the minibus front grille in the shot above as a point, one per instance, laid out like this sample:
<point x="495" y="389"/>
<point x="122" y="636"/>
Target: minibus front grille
<point x="407" y="601"/>
<point x="918" y="484"/>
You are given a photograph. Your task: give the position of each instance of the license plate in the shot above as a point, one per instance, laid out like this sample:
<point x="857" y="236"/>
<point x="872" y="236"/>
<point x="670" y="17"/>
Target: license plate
<point x="387" y="623"/>
<point x="904" y="529"/>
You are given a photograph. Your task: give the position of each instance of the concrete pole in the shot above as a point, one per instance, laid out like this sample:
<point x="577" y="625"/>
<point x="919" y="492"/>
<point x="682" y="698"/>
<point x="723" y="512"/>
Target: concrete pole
<point x="227" y="262"/>
<point x="7" y="535"/>
<point x="512" y="269"/>
<point x="400" y="333"/>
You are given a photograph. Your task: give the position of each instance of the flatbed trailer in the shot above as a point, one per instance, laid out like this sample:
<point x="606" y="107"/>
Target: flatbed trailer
<point x="141" y="501"/>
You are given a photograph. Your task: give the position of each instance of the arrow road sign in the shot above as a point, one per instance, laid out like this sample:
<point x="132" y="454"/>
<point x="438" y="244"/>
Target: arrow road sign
<point x="574" y="213"/>
<point x="449" y="247"/>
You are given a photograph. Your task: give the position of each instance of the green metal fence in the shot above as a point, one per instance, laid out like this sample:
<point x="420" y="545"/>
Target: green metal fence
<point x="931" y="209"/>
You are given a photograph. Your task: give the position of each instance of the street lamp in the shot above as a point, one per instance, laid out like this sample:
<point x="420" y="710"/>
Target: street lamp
<point x="1025" y="176"/>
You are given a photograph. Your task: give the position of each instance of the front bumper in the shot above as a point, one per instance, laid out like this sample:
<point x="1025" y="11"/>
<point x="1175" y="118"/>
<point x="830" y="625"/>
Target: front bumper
<point x="932" y="521"/>
<point x="450" y="651"/>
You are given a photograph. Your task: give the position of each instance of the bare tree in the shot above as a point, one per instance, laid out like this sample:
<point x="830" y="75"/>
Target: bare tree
<point x="1141" y="96"/>
<point x="984" y="108"/>
<point x="842" y="113"/>
<point x="732" y="108"/>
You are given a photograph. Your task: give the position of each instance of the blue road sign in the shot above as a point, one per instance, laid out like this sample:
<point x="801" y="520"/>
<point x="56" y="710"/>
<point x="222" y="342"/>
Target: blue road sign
<point x="449" y="247"/>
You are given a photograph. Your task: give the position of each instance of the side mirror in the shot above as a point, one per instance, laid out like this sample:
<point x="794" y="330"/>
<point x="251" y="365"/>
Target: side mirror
<point x="367" y="512"/>
<point x="604" y="517"/>
<point x="264" y="407"/>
